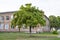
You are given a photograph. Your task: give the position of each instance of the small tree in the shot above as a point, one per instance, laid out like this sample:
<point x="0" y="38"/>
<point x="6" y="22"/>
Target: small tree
<point x="28" y="15"/>
<point x="58" y="22"/>
<point x="54" y="21"/>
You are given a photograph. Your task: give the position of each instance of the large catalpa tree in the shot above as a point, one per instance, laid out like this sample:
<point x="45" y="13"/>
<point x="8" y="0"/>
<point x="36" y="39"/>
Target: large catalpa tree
<point x="28" y="15"/>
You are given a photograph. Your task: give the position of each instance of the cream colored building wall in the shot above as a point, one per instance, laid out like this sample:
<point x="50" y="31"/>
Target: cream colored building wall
<point x="6" y="21"/>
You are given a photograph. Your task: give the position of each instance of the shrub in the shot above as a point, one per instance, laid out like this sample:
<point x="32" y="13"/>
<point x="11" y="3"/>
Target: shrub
<point x="55" y="32"/>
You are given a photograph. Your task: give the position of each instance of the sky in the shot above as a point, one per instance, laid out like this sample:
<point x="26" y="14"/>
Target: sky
<point x="50" y="7"/>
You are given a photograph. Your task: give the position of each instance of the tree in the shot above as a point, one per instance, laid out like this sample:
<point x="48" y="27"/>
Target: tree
<point x="28" y="15"/>
<point x="54" y="21"/>
<point x="58" y="21"/>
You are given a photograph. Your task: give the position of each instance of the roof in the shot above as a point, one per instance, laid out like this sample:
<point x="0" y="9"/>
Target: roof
<point x="15" y="11"/>
<point x="7" y="12"/>
<point x="46" y="17"/>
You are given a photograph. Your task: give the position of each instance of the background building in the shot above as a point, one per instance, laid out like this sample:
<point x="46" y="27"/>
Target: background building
<point x="5" y="23"/>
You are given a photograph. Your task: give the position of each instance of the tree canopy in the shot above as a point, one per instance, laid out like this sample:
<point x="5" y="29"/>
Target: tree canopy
<point x="28" y="15"/>
<point x="54" y="21"/>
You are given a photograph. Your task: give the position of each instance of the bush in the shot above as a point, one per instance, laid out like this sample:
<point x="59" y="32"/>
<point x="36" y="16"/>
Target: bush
<point x="55" y="32"/>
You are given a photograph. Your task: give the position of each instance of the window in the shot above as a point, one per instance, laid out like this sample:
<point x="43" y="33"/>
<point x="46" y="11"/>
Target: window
<point x="6" y="26"/>
<point x="1" y="17"/>
<point x="1" y="26"/>
<point x="7" y="17"/>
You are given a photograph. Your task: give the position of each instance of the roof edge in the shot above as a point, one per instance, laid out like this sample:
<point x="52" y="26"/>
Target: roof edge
<point x="7" y="12"/>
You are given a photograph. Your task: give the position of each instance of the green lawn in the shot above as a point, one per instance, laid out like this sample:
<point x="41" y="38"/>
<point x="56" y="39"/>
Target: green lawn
<point x="26" y="36"/>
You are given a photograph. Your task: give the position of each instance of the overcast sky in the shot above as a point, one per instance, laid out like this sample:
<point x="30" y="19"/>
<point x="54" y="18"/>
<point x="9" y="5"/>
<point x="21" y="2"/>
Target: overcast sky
<point x="50" y="7"/>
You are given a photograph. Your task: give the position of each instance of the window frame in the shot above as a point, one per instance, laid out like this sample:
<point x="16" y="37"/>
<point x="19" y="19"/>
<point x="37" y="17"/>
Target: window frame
<point x="7" y="18"/>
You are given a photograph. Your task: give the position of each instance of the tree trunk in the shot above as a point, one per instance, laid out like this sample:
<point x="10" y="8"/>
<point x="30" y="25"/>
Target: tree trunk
<point x="19" y="29"/>
<point x="30" y="30"/>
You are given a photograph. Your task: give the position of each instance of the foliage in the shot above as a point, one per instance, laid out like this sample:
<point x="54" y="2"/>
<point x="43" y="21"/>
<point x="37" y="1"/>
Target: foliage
<point x="58" y="21"/>
<point x="54" y="21"/>
<point x="55" y="32"/>
<point x="28" y="15"/>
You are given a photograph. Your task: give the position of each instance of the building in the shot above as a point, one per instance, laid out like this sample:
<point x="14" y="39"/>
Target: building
<point x="5" y="18"/>
<point x="5" y="25"/>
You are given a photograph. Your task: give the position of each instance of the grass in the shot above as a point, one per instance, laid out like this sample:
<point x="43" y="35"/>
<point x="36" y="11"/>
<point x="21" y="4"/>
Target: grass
<point x="26" y="36"/>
